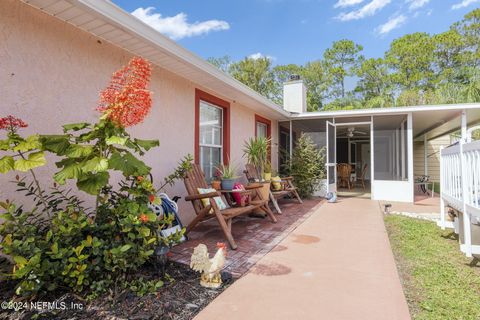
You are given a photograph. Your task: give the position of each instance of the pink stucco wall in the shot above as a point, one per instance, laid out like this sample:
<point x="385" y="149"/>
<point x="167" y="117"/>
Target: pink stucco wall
<point x="51" y="74"/>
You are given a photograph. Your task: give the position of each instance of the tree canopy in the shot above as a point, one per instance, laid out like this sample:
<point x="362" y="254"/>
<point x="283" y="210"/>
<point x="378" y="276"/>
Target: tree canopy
<point x="417" y="69"/>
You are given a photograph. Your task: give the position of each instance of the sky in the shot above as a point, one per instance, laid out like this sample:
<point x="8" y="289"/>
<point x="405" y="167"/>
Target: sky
<point x="293" y="31"/>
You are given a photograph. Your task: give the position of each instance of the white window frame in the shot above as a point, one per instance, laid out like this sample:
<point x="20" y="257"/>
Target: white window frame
<point x="221" y="127"/>
<point x="264" y="125"/>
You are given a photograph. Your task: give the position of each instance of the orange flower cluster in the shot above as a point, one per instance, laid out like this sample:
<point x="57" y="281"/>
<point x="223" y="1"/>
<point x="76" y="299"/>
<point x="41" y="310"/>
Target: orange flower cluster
<point x="11" y="123"/>
<point x="127" y="101"/>
<point x="143" y="218"/>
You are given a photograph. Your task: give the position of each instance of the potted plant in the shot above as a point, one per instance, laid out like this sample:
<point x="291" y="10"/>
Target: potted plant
<point x="267" y="175"/>
<point x="256" y="152"/>
<point x="216" y="183"/>
<point x="228" y="176"/>
<point x="216" y="180"/>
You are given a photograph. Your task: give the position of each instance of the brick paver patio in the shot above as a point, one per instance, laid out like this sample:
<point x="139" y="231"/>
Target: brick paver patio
<point x="255" y="237"/>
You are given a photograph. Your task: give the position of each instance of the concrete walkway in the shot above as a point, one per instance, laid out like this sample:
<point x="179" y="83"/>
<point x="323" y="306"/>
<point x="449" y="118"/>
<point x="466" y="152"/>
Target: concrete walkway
<point x="336" y="265"/>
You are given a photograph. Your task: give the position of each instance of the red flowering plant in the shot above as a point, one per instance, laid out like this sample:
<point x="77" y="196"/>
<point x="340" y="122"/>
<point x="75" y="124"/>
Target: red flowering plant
<point x="80" y="248"/>
<point x="90" y="151"/>
<point x="127" y="101"/>
<point x="22" y="154"/>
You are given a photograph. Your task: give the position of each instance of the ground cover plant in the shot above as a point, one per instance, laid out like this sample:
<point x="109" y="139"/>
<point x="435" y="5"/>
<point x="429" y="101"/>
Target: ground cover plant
<point x="438" y="280"/>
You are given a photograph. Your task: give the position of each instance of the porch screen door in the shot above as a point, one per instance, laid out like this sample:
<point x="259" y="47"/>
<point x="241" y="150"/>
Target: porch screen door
<point x="331" y="157"/>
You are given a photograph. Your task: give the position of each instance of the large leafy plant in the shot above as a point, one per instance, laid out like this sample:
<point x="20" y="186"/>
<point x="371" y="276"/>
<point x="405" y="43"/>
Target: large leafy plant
<point x="90" y="151"/>
<point x="22" y="154"/>
<point x="62" y="244"/>
<point x="255" y="150"/>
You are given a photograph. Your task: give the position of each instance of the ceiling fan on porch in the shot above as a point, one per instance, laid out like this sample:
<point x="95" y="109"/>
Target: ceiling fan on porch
<point x="351" y="132"/>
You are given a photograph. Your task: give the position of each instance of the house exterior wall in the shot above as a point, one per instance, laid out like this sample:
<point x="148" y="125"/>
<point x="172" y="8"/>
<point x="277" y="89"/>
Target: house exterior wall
<point x="51" y="74"/>
<point x="433" y="164"/>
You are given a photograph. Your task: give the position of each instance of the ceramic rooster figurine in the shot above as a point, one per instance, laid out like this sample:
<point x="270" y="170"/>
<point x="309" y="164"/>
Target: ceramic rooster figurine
<point x="210" y="268"/>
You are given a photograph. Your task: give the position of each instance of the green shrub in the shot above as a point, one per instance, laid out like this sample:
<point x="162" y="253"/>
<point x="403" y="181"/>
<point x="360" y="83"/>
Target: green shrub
<point x="307" y="166"/>
<point x="62" y="244"/>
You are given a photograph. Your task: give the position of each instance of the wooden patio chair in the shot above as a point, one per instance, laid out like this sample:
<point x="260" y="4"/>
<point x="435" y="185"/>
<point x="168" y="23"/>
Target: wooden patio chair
<point x="361" y="178"/>
<point x="196" y="179"/>
<point x="344" y="173"/>
<point x="288" y="189"/>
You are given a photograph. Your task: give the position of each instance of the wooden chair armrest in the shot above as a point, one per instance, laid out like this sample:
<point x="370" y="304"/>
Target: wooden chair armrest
<point x="286" y="178"/>
<point x="202" y="196"/>
<point x="253" y="186"/>
<point x="234" y="191"/>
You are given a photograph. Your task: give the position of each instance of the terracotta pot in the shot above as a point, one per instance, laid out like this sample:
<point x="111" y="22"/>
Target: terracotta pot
<point x="265" y="191"/>
<point x="216" y="184"/>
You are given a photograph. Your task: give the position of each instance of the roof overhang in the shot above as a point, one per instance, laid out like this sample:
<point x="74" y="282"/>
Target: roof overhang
<point x="432" y="120"/>
<point x="107" y="21"/>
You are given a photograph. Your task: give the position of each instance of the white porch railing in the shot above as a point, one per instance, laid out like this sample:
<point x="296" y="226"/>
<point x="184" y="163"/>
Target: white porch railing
<point x="460" y="189"/>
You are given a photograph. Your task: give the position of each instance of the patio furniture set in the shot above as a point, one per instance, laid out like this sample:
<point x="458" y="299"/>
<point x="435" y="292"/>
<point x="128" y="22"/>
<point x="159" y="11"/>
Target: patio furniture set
<point x="208" y="203"/>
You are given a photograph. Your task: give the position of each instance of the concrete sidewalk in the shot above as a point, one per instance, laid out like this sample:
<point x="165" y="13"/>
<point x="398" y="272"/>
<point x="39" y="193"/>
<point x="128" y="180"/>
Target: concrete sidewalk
<point x="336" y="265"/>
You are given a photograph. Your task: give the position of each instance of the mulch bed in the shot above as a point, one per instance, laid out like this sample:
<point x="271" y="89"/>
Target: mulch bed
<point x="180" y="299"/>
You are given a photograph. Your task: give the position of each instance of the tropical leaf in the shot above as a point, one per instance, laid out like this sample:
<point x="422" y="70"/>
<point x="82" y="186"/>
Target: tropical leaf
<point x="116" y="140"/>
<point x="77" y="151"/>
<point x="70" y="171"/>
<point x="144" y="231"/>
<point x="128" y="164"/>
<point x="31" y="143"/>
<point x="125" y="248"/>
<point x="36" y="159"/>
<point x="20" y="261"/>
<point x="93" y="183"/>
<point x="4" y="144"/>
<point x="96" y="164"/>
<point x="6" y="164"/>
<point x="75" y="126"/>
<point x="152" y="217"/>
<point x="147" y="144"/>
<point x="55" y="143"/>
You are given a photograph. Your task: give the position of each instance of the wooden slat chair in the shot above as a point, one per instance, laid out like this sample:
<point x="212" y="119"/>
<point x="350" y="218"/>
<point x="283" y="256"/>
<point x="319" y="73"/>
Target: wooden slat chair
<point x="344" y="171"/>
<point x="361" y="178"/>
<point x="288" y="189"/>
<point x="196" y="179"/>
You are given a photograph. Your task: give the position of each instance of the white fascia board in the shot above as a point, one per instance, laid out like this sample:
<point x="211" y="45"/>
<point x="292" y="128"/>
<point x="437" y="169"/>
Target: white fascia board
<point x="126" y="21"/>
<point x="383" y="111"/>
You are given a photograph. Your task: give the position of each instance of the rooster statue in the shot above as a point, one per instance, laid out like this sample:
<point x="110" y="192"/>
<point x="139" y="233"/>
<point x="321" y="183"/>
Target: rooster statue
<point x="210" y="268"/>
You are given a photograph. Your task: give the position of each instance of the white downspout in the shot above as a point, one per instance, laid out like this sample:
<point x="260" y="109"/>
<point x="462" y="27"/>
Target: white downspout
<point x="410" y="154"/>
<point x="425" y="155"/>
<point x="442" y="182"/>
<point x="372" y="161"/>
<point x="291" y="141"/>
<point x="467" y="233"/>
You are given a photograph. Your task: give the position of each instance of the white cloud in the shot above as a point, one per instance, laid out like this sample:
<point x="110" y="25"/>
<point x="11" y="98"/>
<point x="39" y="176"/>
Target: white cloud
<point x="260" y="55"/>
<point x="177" y="27"/>
<point x="463" y="4"/>
<point x="392" y="23"/>
<point x="346" y="3"/>
<point x="367" y="10"/>
<point x="416" y="4"/>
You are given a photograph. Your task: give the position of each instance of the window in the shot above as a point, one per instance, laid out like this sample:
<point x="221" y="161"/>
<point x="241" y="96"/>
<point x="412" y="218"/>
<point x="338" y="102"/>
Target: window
<point x="212" y="132"/>
<point x="263" y="130"/>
